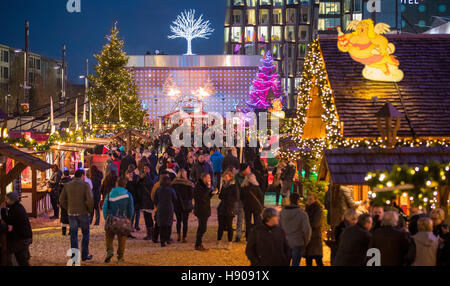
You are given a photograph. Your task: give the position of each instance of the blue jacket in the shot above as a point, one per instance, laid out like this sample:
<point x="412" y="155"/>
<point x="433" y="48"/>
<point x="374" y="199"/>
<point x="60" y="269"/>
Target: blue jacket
<point x="120" y="203"/>
<point x="216" y="160"/>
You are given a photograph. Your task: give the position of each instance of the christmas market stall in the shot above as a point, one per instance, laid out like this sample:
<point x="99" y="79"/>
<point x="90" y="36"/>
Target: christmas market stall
<point x="355" y="92"/>
<point x="33" y="191"/>
<point x="383" y="175"/>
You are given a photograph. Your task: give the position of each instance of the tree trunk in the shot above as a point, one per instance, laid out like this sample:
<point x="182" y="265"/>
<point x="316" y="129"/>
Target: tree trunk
<point x="189" y="47"/>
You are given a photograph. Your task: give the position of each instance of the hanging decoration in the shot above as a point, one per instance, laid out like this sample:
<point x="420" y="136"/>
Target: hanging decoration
<point x="368" y="46"/>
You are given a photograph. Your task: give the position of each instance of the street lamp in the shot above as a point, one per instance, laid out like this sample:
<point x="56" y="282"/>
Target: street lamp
<point x="86" y="87"/>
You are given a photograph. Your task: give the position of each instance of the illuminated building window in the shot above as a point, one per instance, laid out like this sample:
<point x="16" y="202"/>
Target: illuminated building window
<point x="290" y="34"/>
<point x="277" y="16"/>
<point x="227" y="31"/>
<point x="290" y="16"/>
<point x="276" y="33"/>
<point x="264" y="16"/>
<point x="263" y="34"/>
<point x="251" y="3"/>
<point x="325" y="24"/>
<point x="278" y="3"/>
<point x="237" y="17"/>
<point x="327" y="8"/>
<point x="250" y="34"/>
<point x="264" y="2"/>
<point x="304" y="17"/>
<point x="303" y="33"/>
<point x="250" y="19"/>
<point x="236" y="34"/>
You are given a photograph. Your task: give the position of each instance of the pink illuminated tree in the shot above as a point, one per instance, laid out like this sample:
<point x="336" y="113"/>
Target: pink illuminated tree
<point x="266" y="86"/>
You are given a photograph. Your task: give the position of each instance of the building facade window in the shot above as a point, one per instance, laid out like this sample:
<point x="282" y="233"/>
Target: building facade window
<point x="290" y="33"/>
<point x="277" y="3"/>
<point x="5" y="56"/>
<point x="330" y="8"/>
<point x="264" y="2"/>
<point x="236" y="34"/>
<point x="227" y="35"/>
<point x="6" y="73"/>
<point x="250" y="19"/>
<point x="304" y="14"/>
<point x="303" y="33"/>
<point x="239" y="2"/>
<point x="301" y="50"/>
<point x="276" y="51"/>
<point x="325" y="24"/>
<point x="237" y="17"/>
<point x="291" y="16"/>
<point x="276" y="33"/>
<point x="250" y="34"/>
<point x="250" y="49"/>
<point x="264" y="16"/>
<point x="263" y="34"/>
<point x="251" y="3"/>
<point x="277" y="16"/>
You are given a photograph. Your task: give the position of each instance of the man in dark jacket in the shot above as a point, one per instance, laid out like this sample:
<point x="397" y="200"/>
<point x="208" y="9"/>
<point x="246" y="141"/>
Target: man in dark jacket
<point x="229" y="161"/>
<point x="267" y="244"/>
<point x="127" y="161"/>
<point x="153" y="159"/>
<point x="146" y="183"/>
<point x="287" y="178"/>
<point x="200" y="168"/>
<point x="354" y="242"/>
<point x="202" y="207"/>
<point x="392" y="242"/>
<point x="19" y="235"/>
<point x="181" y="158"/>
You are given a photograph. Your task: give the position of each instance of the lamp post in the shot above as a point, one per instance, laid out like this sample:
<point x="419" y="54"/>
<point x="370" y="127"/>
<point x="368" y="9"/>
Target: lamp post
<point x="86" y="87"/>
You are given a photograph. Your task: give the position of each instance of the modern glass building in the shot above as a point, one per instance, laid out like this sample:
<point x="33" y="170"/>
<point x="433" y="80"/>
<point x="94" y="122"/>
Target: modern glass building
<point x="334" y="13"/>
<point x="284" y="27"/>
<point x="419" y="16"/>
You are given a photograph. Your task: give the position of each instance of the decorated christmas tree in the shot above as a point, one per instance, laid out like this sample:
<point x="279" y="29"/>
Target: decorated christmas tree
<point x="266" y="86"/>
<point x="113" y="91"/>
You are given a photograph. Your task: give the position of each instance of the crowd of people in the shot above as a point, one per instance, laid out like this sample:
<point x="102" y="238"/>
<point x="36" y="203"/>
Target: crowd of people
<point x="166" y="185"/>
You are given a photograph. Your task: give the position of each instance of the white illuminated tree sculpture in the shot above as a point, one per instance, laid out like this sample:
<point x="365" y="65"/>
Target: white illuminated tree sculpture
<point x="189" y="28"/>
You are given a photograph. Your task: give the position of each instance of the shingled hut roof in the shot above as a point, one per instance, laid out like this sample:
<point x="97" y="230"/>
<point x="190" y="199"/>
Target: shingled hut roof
<point x="351" y="165"/>
<point x="423" y="95"/>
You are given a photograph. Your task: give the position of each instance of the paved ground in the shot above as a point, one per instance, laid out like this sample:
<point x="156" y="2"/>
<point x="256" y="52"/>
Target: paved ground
<point x="50" y="247"/>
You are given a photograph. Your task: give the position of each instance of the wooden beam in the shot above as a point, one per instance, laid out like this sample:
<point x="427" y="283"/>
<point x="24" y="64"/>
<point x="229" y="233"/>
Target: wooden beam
<point x="34" y="192"/>
<point x="14" y="173"/>
<point x="2" y="187"/>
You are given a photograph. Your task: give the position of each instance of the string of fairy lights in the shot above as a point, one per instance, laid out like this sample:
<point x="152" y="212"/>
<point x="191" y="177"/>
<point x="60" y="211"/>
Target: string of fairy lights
<point x="311" y="149"/>
<point x="424" y="184"/>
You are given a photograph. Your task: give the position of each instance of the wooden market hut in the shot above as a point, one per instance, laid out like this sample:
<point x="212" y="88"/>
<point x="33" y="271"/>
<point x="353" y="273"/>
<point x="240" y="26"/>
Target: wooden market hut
<point x="22" y="161"/>
<point x="335" y="98"/>
<point x="349" y="167"/>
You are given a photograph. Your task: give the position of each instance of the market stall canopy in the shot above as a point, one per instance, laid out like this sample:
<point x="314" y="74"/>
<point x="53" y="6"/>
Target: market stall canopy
<point x="422" y="97"/>
<point x="22" y="157"/>
<point x="349" y="166"/>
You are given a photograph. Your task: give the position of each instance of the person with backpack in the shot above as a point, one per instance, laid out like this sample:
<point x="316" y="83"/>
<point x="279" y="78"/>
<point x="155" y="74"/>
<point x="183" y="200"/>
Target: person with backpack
<point x="118" y="204"/>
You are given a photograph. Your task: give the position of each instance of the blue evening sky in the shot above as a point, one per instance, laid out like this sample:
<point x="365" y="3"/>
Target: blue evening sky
<point x="143" y="24"/>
